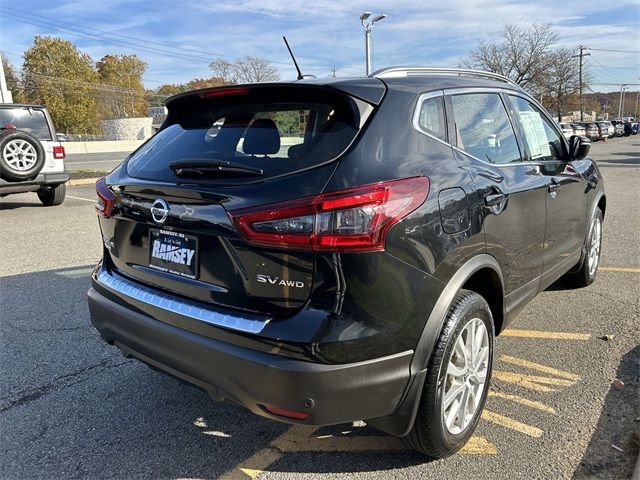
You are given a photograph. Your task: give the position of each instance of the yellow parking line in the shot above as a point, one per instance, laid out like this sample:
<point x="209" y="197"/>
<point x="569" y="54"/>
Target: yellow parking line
<point x="82" y="181"/>
<point x="539" y="367"/>
<point x="260" y="461"/>
<point x="255" y="465"/>
<point x="516" y="332"/>
<point x="532" y="382"/>
<point x="512" y="424"/>
<point x="619" y="269"/>
<point x="524" y="401"/>
<point x="300" y="438"/>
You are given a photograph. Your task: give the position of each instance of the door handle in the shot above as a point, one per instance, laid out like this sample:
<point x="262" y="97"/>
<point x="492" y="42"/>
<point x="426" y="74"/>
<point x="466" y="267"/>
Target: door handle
<point x="494" y="199"/>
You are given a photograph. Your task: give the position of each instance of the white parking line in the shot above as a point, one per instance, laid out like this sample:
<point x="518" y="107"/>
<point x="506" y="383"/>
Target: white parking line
<point x="80" y="198"/>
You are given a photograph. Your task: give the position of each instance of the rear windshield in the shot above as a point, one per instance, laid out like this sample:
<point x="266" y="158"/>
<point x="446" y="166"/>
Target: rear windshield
<point x="276" y="130"/>
<point x="31" y="120"/>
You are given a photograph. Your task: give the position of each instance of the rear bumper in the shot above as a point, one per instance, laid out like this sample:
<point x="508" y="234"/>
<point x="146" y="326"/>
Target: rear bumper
<point x="43" y="179"/>
<point x="330" y="394"/>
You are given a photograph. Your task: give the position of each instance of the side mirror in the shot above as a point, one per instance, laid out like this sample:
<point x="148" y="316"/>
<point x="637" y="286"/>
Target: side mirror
<point x="579" y="147"/>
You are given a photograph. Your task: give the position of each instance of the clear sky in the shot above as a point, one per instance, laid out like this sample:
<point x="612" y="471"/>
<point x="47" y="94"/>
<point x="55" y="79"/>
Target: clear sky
<point x="178" y="38"/>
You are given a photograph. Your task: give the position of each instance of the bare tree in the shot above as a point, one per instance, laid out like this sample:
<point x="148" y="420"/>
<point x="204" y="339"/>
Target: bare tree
<point x="524" y="55"/>
<point x="563" y="77"/>
<point x="245" y="70"/>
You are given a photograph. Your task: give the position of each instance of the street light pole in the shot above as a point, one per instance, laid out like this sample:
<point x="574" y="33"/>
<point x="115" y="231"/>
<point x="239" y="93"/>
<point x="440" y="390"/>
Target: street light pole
<point x="368" y="27"/>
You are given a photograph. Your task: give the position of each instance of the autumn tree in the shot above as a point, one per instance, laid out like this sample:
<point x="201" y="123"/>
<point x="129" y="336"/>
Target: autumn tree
<point x="523" y="55"/>
<point x="13" y="82"/>
<point x="58" y="75"/>
<point x="198" y="83"/>
<point x="169" y="89"/>
<point x="245" y="70"/>
<point x="123" y="93"/>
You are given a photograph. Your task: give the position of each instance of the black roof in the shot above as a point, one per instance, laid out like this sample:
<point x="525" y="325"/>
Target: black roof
<point x="372" y="88"/>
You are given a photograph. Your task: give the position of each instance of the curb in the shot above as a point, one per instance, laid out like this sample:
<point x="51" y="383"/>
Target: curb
<point x="83" y="181"/>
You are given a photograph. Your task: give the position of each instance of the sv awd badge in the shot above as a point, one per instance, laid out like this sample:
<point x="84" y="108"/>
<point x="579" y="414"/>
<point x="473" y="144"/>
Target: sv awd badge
<point x="279" y="281"/>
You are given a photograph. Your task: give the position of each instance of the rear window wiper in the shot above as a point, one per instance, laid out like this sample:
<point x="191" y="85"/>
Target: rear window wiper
<point x="208" y="168"/>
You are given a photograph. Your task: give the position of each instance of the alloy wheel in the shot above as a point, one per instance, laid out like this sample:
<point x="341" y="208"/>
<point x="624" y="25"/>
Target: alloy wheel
<point x="20" y="155"/>
<point x="466" y="376"/>
<point x="594" y="246"/>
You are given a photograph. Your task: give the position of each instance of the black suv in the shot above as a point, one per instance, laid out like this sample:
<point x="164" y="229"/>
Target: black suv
<point x="331" y="250"/>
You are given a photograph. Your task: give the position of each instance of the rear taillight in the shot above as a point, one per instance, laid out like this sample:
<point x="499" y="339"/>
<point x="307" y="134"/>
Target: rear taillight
<point x="353" y="220"/>
<point x="106" y="198"/>
<point x="59" y="153"/>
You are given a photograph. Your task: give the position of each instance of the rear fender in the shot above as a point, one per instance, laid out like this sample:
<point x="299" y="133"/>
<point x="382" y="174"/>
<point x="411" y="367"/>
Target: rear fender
<point x="400" y="423"/>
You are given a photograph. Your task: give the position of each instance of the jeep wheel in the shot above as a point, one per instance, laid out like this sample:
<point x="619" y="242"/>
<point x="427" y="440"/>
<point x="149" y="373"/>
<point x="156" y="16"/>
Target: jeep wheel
<point x="52" y="196"/>
<point x="21" y="156"/>
<point x="593" y="244"/>
<point x="458" y="378"/>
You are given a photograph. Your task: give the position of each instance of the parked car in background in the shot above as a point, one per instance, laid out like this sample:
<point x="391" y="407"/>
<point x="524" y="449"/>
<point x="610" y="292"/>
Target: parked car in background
<point x="619" y="127"/>
<point x="579" y="129"/>
<point x="567" y="130"/>
<point x="62" y="137"/>
<point x="634" y="128"/>
<point x="592" y="132"/>
<point x="315" y="286"/>
<point x="607" y="128"/>
<point x="31" y="156"/>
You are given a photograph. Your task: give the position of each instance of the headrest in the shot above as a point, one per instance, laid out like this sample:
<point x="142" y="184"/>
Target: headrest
<point x="262" y="138"/>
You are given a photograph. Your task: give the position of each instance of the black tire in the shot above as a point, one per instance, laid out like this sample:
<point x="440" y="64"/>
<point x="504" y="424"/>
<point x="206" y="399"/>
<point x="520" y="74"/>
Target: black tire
<point x="585" y="275"/>
<point x="8" y="158"/>
<point x="52" y="196"/>
<point x="429" y="434"/>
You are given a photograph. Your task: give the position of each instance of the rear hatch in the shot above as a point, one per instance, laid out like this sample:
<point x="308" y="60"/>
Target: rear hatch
<point x="166" y="210"/>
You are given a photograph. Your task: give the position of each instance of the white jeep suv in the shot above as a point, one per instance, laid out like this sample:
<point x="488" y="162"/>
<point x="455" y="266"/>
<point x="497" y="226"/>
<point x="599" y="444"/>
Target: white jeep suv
<point x="31" y="157"/>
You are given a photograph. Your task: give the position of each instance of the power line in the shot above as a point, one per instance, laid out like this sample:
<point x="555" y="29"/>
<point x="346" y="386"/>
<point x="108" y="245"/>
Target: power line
<point x="32" y="78"/>
<point x="134" y="44"/>
<point x="136" y="39"/>
<point x="615" y="51"/>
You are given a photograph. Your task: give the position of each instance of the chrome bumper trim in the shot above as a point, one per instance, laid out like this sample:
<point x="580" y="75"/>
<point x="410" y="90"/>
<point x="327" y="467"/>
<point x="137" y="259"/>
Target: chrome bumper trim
<point x="179" y="306"/>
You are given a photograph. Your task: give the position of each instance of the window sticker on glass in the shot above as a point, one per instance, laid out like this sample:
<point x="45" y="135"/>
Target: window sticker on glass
<point x="535" y="134"/>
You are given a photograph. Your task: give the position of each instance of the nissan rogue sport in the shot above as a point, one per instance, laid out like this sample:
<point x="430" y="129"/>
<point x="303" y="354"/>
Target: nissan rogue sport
<point x="332" y="250"/>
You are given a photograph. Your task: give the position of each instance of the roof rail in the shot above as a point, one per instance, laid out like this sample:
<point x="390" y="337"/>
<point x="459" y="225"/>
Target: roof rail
<point x="395" y="72"/>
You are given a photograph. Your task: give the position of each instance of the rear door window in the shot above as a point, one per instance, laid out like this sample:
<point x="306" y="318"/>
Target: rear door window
<point x="276" y="130"/>
<point x="31" y="120"/>
<point x="483" y="128"/>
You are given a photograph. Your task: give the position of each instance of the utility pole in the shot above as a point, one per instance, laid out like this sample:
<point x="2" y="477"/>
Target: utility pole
<point x="635" y="117"/>
<point x="622" y="87"/>
<point x="333" y="72"/>
<point x="582" y="54"/>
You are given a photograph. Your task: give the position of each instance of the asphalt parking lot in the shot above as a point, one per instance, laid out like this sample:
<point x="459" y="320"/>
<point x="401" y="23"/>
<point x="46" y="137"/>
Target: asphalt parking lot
<point x="72" y="407"/>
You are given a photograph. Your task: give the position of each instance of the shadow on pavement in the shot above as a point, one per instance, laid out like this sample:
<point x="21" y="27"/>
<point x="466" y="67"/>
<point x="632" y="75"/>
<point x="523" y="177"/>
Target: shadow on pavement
<point x="73" y="407"/>
<point x="618" y="425"/>
<point x="4" y="205"/>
